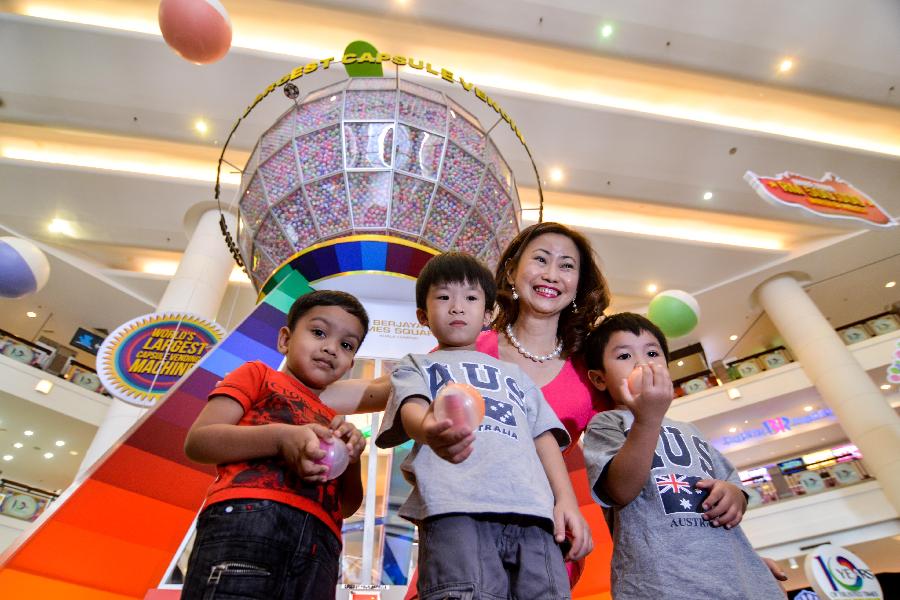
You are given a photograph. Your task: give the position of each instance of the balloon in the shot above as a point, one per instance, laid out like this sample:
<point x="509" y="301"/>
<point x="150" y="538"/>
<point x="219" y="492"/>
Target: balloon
<point x="198" y="30"/>
<point x="461" y="403"/>
<point x="675" y="312"/>
<point x="23" y="268"/>
<point x="336" y="457"/>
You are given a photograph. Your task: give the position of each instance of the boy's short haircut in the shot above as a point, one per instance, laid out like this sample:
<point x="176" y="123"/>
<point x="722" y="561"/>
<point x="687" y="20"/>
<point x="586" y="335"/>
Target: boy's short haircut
<point x="456" y="267"/>
<point x="348" y="302"/>
<point x="626" y="321"/>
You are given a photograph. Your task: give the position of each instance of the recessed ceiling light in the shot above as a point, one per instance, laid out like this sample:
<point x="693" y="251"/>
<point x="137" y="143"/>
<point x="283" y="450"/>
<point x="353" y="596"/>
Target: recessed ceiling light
<point x="745" y="422"/>
<point x="708" y="196"/>
<point x="786" y="65"/>
<point x="885" y="386"/>
<point x="201" y="126"/>
<point x="28" y="432"/>
<point x="61" y="226"/>
<point x="556" y="174"/>
<point x="44" y="386"/>
<point x="48" y="455"/>
<point x="60" y="443"/>
<point x="652" y="287"/>
<point x="18" y="445"/>
<point x="73" y="452"/>
<point x="166" y="268"/>
<point x="31" y="314"/>
<point x="680" y="363"/>
<point x="732" y="337"/>
<point x="732" y="429"/>
<point x="606" y="30"/>
<point x="807" y="408"/>
<point x="7" y="457"/>
<point x="890" y="284"/>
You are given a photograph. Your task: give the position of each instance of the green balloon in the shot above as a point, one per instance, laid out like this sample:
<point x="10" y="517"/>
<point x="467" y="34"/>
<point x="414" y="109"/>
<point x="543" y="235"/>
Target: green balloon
<point x="365" y="69"/>
<point x="672" y="315"/>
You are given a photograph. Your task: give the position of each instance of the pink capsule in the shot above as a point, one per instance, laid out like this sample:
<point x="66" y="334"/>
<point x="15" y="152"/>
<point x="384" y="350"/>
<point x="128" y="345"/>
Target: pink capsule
<point x="336" y="457"/>
<point x="461" y="403"/>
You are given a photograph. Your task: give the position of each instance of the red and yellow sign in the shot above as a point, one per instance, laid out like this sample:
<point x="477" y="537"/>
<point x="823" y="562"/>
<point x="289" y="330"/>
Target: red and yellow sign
<point x="830" y="197"/>
<point x="143" y="359"/>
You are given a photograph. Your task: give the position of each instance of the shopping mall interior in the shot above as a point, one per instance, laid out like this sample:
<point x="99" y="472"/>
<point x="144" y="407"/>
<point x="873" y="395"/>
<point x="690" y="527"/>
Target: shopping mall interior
<point x="647" y="126"/>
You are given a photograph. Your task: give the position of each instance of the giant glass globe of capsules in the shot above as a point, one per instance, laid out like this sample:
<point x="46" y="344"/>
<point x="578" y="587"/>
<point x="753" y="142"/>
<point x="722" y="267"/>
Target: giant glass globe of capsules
<point x="375" y="156"/>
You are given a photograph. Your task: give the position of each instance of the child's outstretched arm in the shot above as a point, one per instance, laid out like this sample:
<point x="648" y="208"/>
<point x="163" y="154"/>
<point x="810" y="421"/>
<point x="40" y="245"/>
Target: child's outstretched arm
<point x="215" y="437"/>
<point x="453" y="444"/>
<point x="567" y="518"/>
<point x="627" y="472"/>
<point x="352" y="396"/>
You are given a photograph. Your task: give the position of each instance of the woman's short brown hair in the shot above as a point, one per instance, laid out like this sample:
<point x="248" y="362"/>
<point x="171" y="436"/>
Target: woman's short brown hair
<point x="592" y="295"/>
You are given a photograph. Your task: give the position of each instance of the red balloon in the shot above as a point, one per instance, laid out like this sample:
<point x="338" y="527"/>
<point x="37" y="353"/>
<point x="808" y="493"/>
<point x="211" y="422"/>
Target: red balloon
<point x="198" y="30"/>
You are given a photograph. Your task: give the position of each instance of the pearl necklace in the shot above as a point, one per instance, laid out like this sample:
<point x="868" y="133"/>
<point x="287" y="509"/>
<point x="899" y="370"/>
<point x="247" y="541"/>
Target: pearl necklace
<point x="536" y="358"/>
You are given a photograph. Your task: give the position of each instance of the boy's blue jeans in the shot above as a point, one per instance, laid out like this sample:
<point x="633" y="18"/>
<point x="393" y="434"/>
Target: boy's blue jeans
<point x="261" y="549"/>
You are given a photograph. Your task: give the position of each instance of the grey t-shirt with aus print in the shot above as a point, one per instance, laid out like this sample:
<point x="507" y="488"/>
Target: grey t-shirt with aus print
<point x="662" y="546"/>
<point x="503" y="474"/>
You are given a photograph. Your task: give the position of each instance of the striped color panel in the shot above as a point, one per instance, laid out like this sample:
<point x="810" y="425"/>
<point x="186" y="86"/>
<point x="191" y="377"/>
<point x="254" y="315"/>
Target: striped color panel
<point x="114" y="534"/>
<point x="379" y="253"/>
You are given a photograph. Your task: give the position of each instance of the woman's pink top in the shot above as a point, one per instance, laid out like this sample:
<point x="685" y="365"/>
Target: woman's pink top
<point x="570" y="394"/>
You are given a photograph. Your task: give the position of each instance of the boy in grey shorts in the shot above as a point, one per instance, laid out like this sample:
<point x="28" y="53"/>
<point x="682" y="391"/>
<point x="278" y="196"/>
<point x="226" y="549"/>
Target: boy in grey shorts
<point x="492" y="505"/>
<point x="672" y="501"/>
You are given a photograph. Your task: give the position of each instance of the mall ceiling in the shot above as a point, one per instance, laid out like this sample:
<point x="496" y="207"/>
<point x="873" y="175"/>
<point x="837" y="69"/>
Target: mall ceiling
<point x="679" y="100"/>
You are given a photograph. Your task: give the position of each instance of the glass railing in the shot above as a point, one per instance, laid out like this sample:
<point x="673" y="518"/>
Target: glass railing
<point x="803" y="476"/>
<point x="20" y="501"/>
<point x="49" y="361"/>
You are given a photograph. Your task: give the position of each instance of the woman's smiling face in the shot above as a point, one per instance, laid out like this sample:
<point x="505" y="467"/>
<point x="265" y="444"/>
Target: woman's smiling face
<point x="546" y="276"/>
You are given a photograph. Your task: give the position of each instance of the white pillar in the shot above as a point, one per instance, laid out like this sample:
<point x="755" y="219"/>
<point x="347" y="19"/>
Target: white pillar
<point x="870" y="423"/>
<point x="197" y="287"/>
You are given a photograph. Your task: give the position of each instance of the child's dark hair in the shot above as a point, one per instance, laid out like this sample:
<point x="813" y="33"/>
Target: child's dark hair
<point x="598" y="339"/>
<point x="348" y="302"/>
<point x="456" y="267"/>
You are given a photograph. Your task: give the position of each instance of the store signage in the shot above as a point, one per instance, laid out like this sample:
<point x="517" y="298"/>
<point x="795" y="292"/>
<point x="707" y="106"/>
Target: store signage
<point x="143" y="359"/>
<point x="774" y="427"/>
<point x="835" y="573"/>
<point x="394" y="331"/>
<point x="830" y="197"/>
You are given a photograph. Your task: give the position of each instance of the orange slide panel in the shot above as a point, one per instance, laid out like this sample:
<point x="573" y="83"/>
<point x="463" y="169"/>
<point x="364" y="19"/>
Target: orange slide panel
<point x="16" y="584"/>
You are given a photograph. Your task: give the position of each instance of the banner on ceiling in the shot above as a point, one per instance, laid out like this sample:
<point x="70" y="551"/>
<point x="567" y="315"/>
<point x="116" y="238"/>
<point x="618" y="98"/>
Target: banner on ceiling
<point x="830" y="197"/>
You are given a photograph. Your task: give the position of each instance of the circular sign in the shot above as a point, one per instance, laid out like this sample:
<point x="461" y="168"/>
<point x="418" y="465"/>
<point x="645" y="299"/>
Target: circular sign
<point x="836" y="573"/>
<point x="142" y="360"/>
<point x="21" y="506"/>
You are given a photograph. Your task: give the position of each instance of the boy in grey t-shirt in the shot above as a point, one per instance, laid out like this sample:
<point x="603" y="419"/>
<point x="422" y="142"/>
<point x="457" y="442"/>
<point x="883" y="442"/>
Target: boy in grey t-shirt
<point x="491" y="505"/>
<point x="673" y="502"/>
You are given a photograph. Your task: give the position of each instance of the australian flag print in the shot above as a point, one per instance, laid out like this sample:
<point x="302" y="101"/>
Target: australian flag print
<point x="499" y="411"/>
<point x="678" y="493"/>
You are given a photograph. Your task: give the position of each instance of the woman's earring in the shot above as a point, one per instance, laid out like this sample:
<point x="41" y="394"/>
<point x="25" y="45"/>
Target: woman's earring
<point x="574" y="306"/>
<point x="515" y="294"/>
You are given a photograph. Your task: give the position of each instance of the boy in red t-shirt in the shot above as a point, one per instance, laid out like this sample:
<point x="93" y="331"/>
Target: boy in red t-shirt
<point x="271" y="527"/>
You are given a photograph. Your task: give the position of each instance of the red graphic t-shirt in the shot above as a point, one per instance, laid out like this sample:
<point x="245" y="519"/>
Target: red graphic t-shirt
<point x="270" y="396"/>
